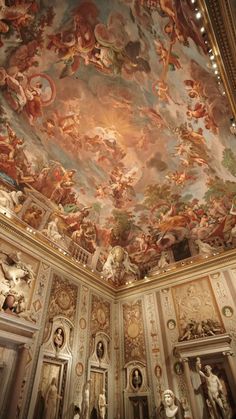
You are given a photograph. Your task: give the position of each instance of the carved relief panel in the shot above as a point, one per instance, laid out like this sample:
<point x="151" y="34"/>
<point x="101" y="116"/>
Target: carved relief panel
<point x="196" y="309"/>
<point x="134" y="339"/>
<point x="80" y="361"/>
<point x="100" y="316"/>
<point x="18" y="272"/>
<point x="63" y="298"/>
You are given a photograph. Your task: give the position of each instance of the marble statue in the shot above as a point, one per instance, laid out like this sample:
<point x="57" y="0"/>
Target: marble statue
<point x="102" y="404"/>
<point x="214" y="388"/>
<point x="118" y="266"/>
<point x="170" y="408"/>
<point x="85" y="401"/>
<point x="51" y="400"/>
<point x="204" y="248"/>
<point x="15" y="269"/>
<point x="10" y="200"/>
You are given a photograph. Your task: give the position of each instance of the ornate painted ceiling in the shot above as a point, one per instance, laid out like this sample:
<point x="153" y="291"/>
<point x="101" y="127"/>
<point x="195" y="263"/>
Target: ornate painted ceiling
<point x="113" y="118"/>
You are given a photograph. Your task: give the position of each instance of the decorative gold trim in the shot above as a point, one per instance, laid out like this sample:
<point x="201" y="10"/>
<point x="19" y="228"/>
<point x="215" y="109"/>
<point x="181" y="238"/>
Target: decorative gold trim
<point x="222" y="34"/>
<point x="59" y="261"/>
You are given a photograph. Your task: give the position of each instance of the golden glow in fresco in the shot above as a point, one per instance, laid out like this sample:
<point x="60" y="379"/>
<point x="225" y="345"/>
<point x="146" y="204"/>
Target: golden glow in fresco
<point x="111" y="116"/>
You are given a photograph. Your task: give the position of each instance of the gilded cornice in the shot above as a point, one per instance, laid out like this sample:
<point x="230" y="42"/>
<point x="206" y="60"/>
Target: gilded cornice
<point x="200" y="268"/>
<point x="92" y="279"/>
<point x="221" y="29"/>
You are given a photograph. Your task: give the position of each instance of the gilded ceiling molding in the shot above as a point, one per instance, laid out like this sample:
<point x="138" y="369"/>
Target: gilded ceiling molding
<point x="204" y="267"/>
<point x="222" y="34"/>
<point x="59" y="261"/>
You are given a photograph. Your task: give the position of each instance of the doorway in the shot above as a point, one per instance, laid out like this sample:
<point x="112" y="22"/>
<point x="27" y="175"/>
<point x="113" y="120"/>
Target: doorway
<point x="139" y="407"/>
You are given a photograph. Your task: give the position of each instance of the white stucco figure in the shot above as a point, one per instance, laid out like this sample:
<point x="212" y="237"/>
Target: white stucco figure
<point x="15" y="269"/>
<point x="204" y="248"/>
<point x="10" y="200"/>
<point x="118" y="265"/>
<point x="52" y="231"/>
<point x="102" y="404"/>
<point x="162" y="262"/>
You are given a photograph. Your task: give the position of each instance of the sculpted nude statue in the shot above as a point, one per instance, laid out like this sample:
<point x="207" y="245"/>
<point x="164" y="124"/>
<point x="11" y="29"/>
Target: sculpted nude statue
<point x="51" y="400"/>
<point x="85" y="402"/>
<point x="214" y="387"/>
<point x="102" y="404"/>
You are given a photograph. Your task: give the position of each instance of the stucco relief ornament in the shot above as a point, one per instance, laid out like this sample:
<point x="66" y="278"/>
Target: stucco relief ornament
<point x="162" y="263"/>
<point x="15" y="269"/>
<point x="118" y="268"/>
<point x="52" y="232"/>
<point x="10" y="200"/>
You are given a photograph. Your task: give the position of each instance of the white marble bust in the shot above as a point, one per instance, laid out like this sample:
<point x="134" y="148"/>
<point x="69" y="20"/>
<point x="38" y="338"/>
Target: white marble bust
<point x="169" y="404"/>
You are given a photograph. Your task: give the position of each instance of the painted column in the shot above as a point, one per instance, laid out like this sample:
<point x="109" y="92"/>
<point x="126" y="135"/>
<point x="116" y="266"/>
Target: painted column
<point x="190" y="388"/>
<point x="17" y="381"/>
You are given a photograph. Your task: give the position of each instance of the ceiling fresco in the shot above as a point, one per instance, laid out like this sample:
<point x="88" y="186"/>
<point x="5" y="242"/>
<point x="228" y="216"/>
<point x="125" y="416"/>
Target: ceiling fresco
<point x="111" y="116"/>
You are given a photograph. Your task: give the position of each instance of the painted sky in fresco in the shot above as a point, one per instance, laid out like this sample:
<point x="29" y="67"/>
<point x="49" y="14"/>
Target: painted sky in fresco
<point x="122" y="92"/>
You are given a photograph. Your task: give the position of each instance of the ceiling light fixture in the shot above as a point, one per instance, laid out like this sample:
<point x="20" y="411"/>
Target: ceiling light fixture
<point x="198" y="15"/>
